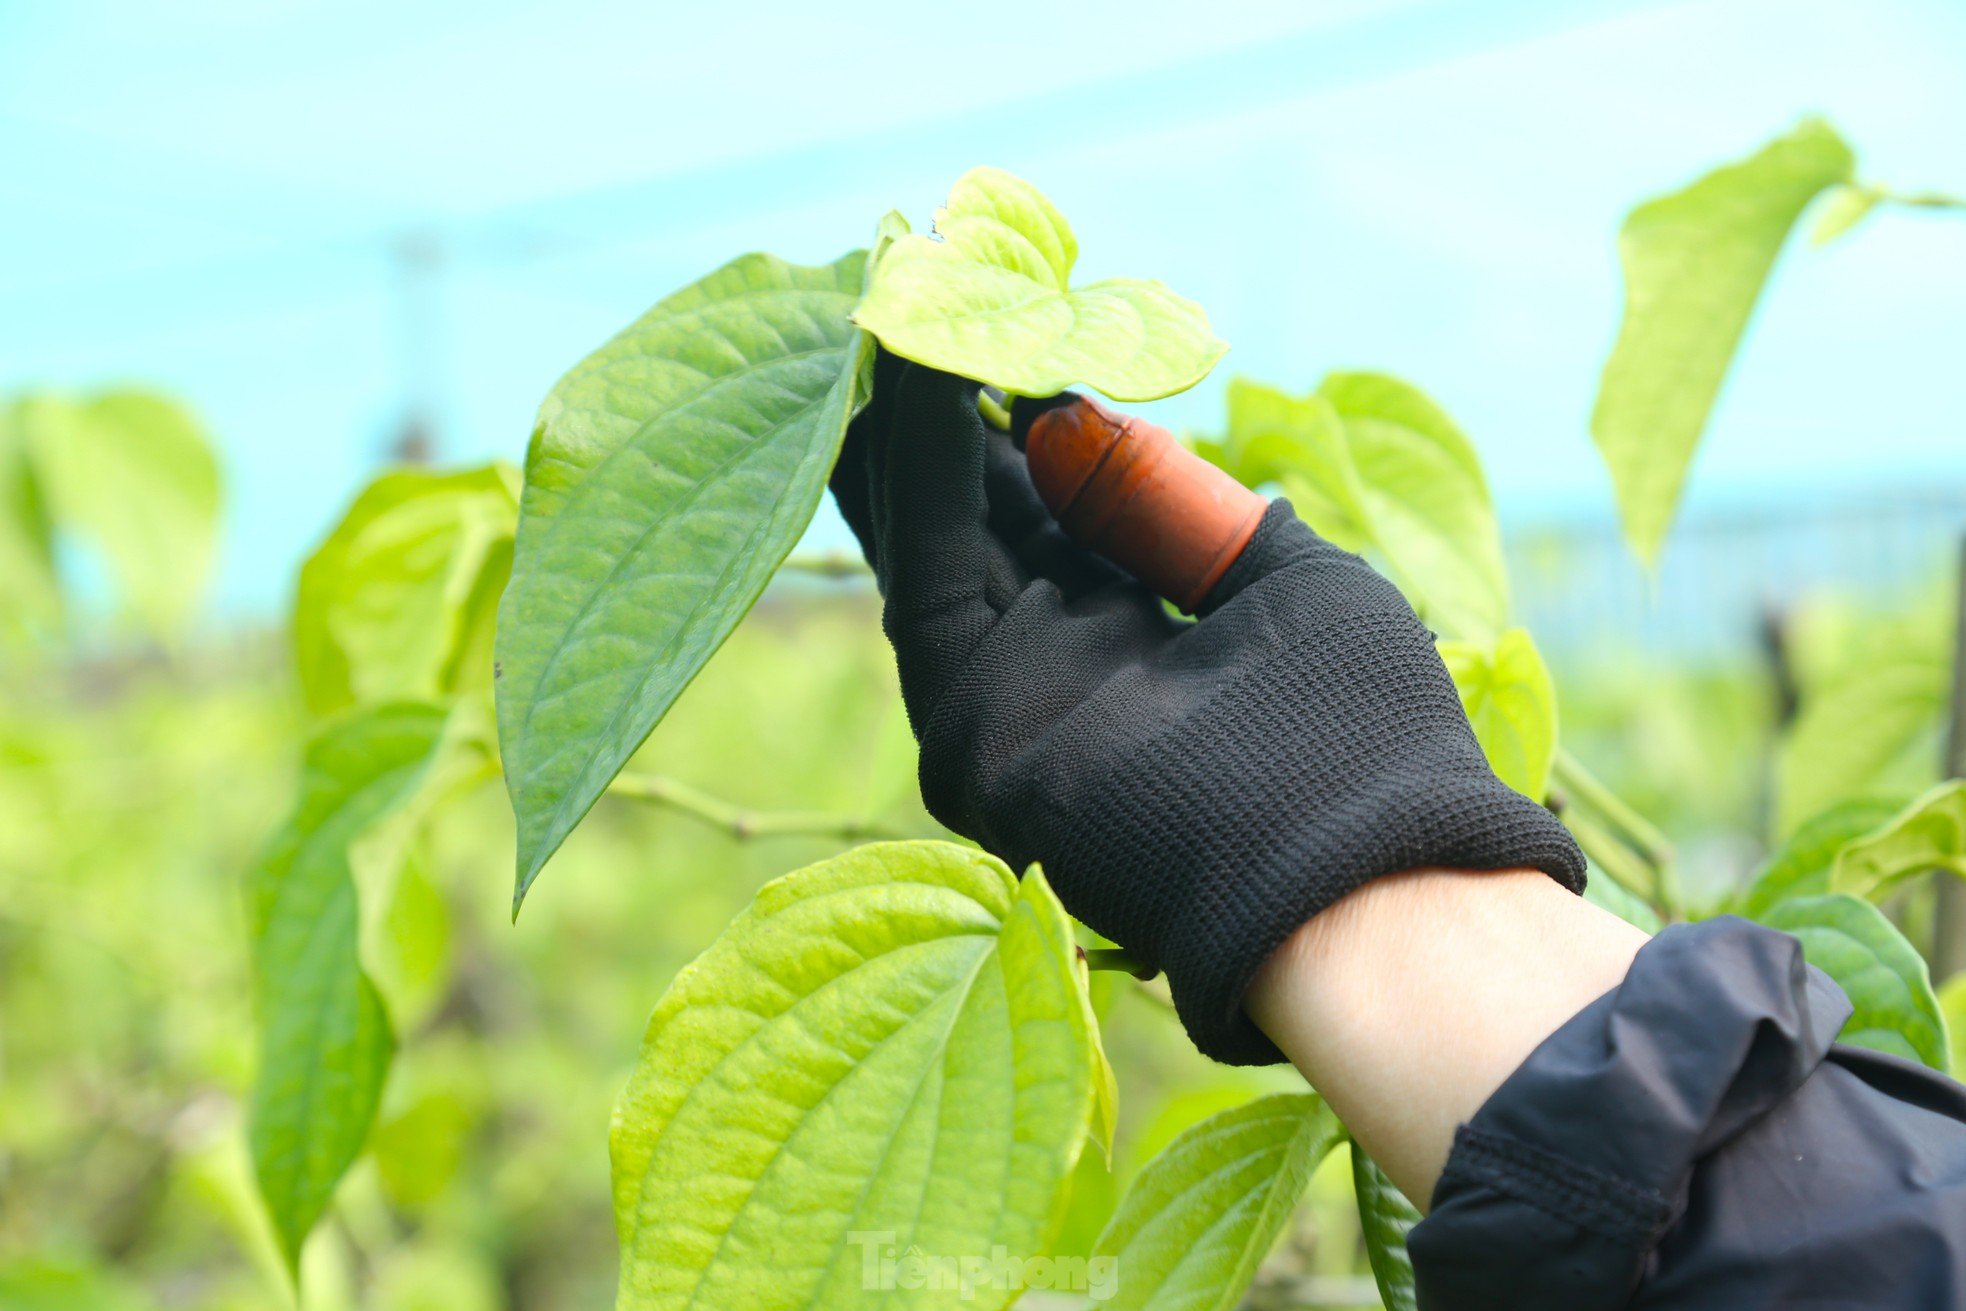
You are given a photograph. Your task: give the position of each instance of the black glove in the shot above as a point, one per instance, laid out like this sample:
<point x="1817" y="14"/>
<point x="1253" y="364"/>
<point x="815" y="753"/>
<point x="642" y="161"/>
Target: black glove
<point x="1194" y="790"/>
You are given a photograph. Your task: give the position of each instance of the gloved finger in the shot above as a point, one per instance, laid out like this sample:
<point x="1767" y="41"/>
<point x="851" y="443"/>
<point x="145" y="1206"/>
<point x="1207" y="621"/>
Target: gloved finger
<point x="944" y="574"/>
<point x="1023" y="523"/>
<point x="851" y="480"/>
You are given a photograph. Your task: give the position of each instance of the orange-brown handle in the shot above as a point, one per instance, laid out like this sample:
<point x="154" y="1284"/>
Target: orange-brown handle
<point x="1126" y="489"/>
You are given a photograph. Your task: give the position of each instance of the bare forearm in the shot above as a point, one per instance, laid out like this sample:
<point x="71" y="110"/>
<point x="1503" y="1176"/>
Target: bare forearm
<point x="1409" y="1002"/>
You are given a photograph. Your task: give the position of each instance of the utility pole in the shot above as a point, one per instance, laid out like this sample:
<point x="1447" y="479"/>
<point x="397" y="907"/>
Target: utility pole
<point x="418" y="258"/>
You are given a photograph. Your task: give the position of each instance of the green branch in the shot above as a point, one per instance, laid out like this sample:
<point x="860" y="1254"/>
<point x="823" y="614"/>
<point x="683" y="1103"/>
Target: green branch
<point x="742" y="822"/>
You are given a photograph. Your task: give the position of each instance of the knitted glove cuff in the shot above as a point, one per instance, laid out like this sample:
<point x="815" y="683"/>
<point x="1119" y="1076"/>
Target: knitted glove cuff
<point x="1461" y="821"/>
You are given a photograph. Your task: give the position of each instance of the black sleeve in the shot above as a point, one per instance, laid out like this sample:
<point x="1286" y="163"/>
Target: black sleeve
<point x="1693" y="1139"/>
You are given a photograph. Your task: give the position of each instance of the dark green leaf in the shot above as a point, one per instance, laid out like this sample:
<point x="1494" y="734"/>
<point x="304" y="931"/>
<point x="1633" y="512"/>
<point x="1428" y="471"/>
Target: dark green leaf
<point x="670" y="473"/>
<point x="1883" y="975"/>
<point x="1386" y="1217"/>
<point x="324" y="1039"/>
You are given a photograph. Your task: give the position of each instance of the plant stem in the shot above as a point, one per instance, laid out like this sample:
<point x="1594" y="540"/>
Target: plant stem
<point x="741" y="822"/>
<point x="1586" y="790"/>
<point x="1626" y="867"/>
<point x="1112" y="958"/>
<point x="828" y="564"/>
<point x="994" y="411"/>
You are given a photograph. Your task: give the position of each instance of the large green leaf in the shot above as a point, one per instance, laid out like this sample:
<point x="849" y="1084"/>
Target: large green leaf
<point x="1929" y="834"/>
<point x="1202" y="1215"/>
<point x="388" y="605"/>
<point x="1802" y="865"/>
<point x="324" y="1040"/>
<point x="891" y="1049"/>
<point x="670" y="473"/>
<point x="1883" y="975"/>
<point x="1952" y="1005"/>
<point x="1386" y="1217"/>
<point x="989" y="296"/>
<point x="1511" y="702"/>
<point x="1373" y="464"/>
<point x="1694" y="263"/>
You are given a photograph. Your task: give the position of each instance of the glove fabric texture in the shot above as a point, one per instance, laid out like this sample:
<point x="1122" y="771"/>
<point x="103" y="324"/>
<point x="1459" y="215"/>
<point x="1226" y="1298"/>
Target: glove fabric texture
<point x="1194" y="789"/>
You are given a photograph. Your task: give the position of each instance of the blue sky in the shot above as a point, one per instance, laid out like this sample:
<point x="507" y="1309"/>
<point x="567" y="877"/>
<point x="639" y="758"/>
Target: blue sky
<point x="211" y="197"/>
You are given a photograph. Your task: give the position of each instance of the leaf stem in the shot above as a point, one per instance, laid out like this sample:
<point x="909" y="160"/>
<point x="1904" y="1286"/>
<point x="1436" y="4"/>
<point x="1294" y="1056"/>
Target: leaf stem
<point x="1112" y="958"/>
<point x="827" y="564"/>
<point x="994" y="411"/>
<point x="1586" y="790"/>
<point x="742" y="822"/>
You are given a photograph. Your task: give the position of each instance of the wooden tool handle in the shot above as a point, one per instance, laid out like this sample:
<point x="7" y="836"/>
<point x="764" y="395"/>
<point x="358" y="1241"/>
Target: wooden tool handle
<point x="1125" y="488"/>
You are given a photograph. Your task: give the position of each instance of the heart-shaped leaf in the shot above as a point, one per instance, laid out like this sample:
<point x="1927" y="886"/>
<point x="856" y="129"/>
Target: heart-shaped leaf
<point x="889" y="1051"/>
<point x="1202" y="1215"/>
<point x="1511" y="703"/>
<point x="1801" y="867"/>
<point x="670" y="473"/>
<point x="1878" y="969"/>
<point x="989" y="297"/>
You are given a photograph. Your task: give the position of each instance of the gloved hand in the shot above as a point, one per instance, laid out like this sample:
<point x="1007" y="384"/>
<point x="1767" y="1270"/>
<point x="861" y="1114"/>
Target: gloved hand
<point x="1195" y="790"/>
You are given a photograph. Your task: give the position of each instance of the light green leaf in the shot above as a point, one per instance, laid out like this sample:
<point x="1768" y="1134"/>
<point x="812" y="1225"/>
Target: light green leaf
<point x="1694" y="263"/>
<point x="324" y="1039"/>
<point x="1386" y="1218"/>
<point x="132" y="474"/>
<point x="888" y="1050"/>
<point x="1929" y="834"/>
<point x="1871" y="727"/>
<point x="1199" y="1219"/>
<point x="1801" y="868"/>
<point x="1374" y="465"/>
<point x="388" y="605"/>
<point x="1300" y="444"/>
<point x="1609" y="894"/>
<point x="30" y="589"/>
<point x="1883" y="975"/>
<point x="1952" y="1005"/>
<point x="669" y="474"/>
<point x="1846" y="207"/>
<point x="1511" y="702"/>
<point x="989" y="297"/>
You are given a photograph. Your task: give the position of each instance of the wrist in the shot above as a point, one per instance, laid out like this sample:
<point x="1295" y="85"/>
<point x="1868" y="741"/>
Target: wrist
<point x="1409" y="1001"/>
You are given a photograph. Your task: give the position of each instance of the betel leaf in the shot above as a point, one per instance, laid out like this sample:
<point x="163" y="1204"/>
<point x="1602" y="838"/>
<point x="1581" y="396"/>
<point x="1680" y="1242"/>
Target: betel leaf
<point x="989" y="296"/>
<point x="1193" y="1227"/>
<point x="889" y="1050"/>
<point x="1373" y="464"/>
<point x="1385" y="1217"/>
<point x="1928" y="834"/>
<point x="387" y="606"/>
<point x="1878" y="969"/>
<point x="1802" y="866"/>
<point x="1511" y="703"/>
<point x="1846" y="207"/>
<point x="132" y="474"/>
<point x="669" y="474"/>
<point x="1694" y="264"/>
<point x="324" y="1039"/>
